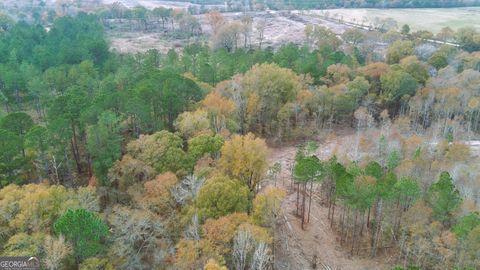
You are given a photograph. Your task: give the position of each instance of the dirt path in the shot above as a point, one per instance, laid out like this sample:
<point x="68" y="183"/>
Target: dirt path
<point x="296" y="248"/>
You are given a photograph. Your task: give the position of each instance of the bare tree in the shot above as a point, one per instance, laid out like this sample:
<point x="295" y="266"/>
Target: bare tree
<point x="56" y="250"/>
<point x="261" y="25"/>
<point x="187" y="189"/>
<point x="242" y="246"/>
<point x="193" y="230"/>
<point x="138" y="235"/>
<point x="250" y="254"/>
<point x="227" y="36"/>
<point x="215" y="19"/>
<point x="246" y="29"/>
<point x="261" y="257"/>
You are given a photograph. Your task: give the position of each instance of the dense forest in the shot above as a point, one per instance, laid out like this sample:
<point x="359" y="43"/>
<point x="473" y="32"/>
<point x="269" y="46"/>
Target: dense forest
<point x="156" y="161"/>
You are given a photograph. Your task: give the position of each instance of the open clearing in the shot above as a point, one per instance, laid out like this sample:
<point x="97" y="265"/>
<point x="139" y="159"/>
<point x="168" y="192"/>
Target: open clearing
<point x="431" y="19"/>
<point x="280" y="28"/>
<point x="283" y="27"/>
<point x="132" y="42"/>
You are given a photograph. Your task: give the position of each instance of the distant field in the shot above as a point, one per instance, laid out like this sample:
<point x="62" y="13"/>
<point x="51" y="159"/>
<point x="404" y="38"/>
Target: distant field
<point x="432" y="19"/>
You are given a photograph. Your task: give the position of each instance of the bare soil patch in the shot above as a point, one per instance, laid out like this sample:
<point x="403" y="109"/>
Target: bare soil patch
<point x="131" y="42"/>
<point x="280" y="28"/>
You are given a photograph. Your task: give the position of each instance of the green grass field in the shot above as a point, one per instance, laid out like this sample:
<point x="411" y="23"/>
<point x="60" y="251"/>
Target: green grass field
<point x="432" y="19"/>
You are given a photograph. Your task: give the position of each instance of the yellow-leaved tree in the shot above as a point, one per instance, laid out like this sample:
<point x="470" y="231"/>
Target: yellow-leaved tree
<point x="244" y="157"/>
<point x="267" y="88"/>
<point x="213" y="265"/>
<point x="267" y="205"/>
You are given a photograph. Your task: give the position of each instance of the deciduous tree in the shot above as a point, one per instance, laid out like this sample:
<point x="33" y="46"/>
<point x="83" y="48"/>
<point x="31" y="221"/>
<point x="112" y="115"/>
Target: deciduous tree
<point x="244" y="158"/>
<point x="399" y="50"/>
<point x="221" y="196"/>
<point x="163" y="151"/>
<point x="267" y="205"/>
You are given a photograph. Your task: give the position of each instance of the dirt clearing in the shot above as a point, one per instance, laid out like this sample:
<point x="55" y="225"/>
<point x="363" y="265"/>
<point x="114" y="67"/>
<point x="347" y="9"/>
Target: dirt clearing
<point x="280" y="28"/>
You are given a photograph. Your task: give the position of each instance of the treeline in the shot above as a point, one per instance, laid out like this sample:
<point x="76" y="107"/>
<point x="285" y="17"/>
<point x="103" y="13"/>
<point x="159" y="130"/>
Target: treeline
<point x="160" y="19"/>
<point x="308" y="4"/>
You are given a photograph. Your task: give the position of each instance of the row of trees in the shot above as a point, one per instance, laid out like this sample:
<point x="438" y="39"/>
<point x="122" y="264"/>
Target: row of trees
<point x="297" y="4"/>
<point x="158" y="19"/>
<point x="468" y="38"/>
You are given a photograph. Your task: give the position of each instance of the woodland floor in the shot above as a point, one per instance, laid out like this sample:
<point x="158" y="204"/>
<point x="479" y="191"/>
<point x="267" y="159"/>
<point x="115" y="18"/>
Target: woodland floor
<point x="296" y="248"/>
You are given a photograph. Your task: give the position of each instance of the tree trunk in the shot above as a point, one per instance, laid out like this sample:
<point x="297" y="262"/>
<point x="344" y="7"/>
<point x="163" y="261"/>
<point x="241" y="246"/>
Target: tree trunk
<point x="298" y="195"/>
<point x="18" y="99"/>
<point x="90" y="168"/>
<point x="343" y="225"/>
<point x="332" y="220"/>
<point x="75" y="157"/>
<point x="76" y="153"/>
<point x="329" y="199"/>
<point x="7" y="107"/>
<point x="310" y="201"/>
<point x="368" y="218"/>
<point x="38" y="108"/>
<point x="67" y="164"/>
<point x="354" y="232"/>
<point x="303" y="204"/>
<point x="363" y="223"/>
<point x="398" y="213"/>
<point x="377" y="227"/>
